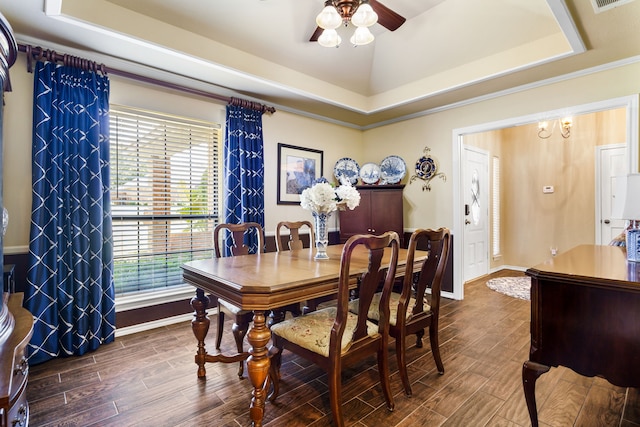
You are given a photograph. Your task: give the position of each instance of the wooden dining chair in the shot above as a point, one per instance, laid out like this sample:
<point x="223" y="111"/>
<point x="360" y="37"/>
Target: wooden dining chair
<point x="410" y="311"/>
<point x="242" y="318"/>
<point x="333" y="337"/>
<point x="293" y="241"/>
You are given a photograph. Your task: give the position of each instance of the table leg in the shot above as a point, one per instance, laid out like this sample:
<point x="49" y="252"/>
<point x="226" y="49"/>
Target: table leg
<point x="200" y="327"/>
<point x="258" y="365"/>
<point x="531" y="371"/>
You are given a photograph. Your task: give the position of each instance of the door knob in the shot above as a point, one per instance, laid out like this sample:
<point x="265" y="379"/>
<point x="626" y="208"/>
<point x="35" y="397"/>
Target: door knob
<point x="467" y="222"/>
<point x="606" y="221"/>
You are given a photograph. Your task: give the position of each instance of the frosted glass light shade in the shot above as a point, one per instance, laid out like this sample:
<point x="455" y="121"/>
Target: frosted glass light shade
<point x="364" y="16"/>
<point x="361" y="36"/>
<point x="329" y="18"/>
<point x="329" y="38"/>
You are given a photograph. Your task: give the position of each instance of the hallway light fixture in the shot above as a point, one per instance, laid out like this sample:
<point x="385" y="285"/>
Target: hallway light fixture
<point x="565" y="123"/>
<point x="341" y="12"/>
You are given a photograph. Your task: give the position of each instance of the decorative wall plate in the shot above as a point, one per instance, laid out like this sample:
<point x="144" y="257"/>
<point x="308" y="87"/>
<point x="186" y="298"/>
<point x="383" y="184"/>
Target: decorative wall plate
<point x="426" y="170"/>
<point x="392" y="169"/>
<point x="370" y="173"/>
<point x="348" y="168"/>
<point x="425" y="167"/>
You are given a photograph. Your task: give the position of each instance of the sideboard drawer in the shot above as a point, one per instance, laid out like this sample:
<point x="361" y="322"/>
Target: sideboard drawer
<point x="20" y="370"/>
<point x="19" y="412"/>
<point x="14" y="374"/>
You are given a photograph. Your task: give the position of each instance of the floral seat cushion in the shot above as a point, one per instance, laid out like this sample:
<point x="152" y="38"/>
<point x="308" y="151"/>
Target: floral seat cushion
<point x="374" y="311"/>
<point x="312" y="331"/>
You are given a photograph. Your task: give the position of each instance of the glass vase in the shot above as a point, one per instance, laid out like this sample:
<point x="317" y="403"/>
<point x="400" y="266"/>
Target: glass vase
<point x="322" y="234"/>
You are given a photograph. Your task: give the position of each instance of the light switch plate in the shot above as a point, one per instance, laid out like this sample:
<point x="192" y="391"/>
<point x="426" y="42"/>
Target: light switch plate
<point x="547" y="189"/>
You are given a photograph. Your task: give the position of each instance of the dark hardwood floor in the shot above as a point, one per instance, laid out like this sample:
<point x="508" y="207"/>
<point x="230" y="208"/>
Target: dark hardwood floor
<point x="149" y="379"/>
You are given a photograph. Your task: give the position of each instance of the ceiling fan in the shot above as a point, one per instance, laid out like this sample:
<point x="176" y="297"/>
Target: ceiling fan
<point x="346" y="9"/>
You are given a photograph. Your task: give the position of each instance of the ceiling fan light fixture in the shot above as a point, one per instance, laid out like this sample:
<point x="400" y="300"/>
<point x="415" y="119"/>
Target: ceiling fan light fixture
<point x="329" y="18"/>
<point x="365" y="16"/>
<point x="361" y="36"/>
<point x="329" y="38"/>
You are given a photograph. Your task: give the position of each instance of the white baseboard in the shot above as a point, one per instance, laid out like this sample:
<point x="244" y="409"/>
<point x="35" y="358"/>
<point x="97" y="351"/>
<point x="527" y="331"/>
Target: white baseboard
<point x="141" y="327"/>
<point x="508" y="267"/>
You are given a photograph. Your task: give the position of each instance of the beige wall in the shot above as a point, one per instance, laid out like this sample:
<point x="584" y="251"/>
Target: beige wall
<point x="406" y="139"/>
<point x="335" y="142"/>
<point x="534" y="222"/>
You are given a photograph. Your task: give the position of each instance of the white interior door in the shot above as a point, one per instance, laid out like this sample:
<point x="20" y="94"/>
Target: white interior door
<point x="475" y="187"/>
<point x="612" y="163"/>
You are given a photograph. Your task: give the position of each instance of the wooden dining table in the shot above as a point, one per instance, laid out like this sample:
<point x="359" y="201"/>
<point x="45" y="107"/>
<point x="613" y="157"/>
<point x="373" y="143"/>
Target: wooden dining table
<point x="260" y="283"/>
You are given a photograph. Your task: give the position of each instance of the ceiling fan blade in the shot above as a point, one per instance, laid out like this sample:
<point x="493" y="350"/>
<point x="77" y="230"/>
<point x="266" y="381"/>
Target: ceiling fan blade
<point x="316" y="34"/>
<point x="387" y="17"/>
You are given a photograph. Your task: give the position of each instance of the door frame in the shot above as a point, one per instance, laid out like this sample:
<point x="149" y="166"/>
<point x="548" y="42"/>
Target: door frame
<point x="632" y="114"/>
<point x="598" y="186"/>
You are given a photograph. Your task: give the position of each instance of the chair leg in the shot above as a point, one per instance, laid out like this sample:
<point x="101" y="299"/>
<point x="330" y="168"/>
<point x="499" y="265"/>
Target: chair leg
<point x="276" y="316"/>
<point x="383" y="372"/>
<point x="310" y="306"/>
<point x="435" y="347"/>
<point x="335" y="394"/>
<point x="419" y="336"/>
<point x="239" y="331"/>
<point x="275" y="356"/>
<point x="294" y="309"/>
<point x="220" y="328"/>
<point x="401" y="349"/>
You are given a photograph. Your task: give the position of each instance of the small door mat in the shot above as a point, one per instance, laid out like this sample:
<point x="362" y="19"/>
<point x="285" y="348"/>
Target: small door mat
<point x="516" y="287"/>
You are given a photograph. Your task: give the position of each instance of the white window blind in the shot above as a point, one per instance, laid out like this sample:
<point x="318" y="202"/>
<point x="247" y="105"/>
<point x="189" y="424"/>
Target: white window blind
<point x="495" y="217"/>
<point x="164" y="196"/>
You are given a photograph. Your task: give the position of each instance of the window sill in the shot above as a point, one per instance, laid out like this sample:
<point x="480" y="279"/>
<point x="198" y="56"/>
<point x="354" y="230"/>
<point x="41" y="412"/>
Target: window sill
<point x="150" y="298"/>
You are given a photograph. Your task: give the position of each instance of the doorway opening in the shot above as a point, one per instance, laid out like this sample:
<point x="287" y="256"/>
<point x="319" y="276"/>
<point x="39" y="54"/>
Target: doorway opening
<point x="562" y="161"/>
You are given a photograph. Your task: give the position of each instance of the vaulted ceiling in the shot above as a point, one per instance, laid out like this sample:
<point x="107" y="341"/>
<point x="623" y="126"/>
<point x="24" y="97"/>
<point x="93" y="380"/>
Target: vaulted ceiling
<point x="447" y="51"/>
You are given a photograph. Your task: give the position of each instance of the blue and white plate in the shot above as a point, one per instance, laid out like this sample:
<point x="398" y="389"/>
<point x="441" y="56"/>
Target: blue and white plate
<point x="392" y="169"/>
<point x="426" y="167"/>
<point x="348" y="168"/>
<point x="370" y="173"/>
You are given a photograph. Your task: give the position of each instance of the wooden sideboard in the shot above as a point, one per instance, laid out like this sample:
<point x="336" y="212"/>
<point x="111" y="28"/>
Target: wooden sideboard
<point x="380" y="210"/>
<point x="585" y="315"/>
<point x="14" y="368"/>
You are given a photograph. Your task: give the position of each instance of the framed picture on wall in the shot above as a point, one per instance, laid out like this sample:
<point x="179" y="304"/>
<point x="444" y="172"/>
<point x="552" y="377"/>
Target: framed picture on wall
<point x="298" y="168"/>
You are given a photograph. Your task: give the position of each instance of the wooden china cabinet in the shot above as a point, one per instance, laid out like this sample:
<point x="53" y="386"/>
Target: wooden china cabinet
<point x="380" y="210"/>
<point x="16" y="323"/>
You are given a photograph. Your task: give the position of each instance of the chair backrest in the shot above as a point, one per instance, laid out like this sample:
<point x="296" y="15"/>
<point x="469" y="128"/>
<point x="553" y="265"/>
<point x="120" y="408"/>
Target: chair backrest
<point x="369" y="281"/>
<point x="294" y="241"/>
<point x="437" y="243"/>
<point x="237" y="232"/>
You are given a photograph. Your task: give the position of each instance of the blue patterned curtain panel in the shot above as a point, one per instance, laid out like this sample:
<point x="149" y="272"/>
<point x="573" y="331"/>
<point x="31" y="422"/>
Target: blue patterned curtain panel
<point x="243" y="171"/>
<point x="70" y="282"/>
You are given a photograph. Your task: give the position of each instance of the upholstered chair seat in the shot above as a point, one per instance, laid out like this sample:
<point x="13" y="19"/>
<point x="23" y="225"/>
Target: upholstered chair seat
<point x="334" y="337"/>
<point x="411" y="310"/>
<point x="394" y="298"/>
<point x="313" y="331"/>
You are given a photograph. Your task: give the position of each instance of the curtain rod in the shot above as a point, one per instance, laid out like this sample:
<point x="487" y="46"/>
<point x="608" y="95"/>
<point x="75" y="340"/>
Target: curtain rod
<point x="39" y="54"/>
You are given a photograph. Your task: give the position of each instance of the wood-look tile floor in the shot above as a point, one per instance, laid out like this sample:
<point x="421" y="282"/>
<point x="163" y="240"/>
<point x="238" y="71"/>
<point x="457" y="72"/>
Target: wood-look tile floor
<point x="149" y="379"/>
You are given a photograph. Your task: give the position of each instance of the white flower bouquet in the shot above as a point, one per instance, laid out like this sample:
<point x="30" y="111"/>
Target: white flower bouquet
<point x="323" y="197"/>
